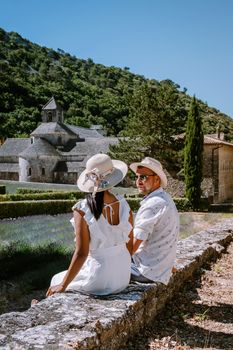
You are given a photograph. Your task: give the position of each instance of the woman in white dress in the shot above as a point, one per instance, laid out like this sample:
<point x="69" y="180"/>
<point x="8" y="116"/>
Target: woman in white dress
<point x="103" y="229"/>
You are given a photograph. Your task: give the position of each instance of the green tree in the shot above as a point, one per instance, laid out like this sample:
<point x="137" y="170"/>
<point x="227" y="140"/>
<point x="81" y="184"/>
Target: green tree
<point x="156" y="115"/>
<point x="193" y="155"/>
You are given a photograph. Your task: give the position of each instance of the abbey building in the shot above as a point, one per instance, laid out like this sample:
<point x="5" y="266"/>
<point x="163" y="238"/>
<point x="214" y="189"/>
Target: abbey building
<point x="55" y="152"/>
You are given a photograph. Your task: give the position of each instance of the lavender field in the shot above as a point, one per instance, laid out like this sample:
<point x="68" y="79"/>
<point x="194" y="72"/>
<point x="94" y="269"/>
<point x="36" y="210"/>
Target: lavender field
<point x="42" y="229"/>
<point x="38" y="230"/>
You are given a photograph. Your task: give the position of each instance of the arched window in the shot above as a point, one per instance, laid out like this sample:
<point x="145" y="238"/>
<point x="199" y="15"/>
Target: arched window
<point x="50" y="116"/>
<point x="43" y="171"/>
<point x="29" y="171"/>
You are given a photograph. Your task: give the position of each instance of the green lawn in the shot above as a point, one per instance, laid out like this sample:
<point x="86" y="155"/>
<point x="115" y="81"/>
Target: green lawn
<point x="11" y="187"/>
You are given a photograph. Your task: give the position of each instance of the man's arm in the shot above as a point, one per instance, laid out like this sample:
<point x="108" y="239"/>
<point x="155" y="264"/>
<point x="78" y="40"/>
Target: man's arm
<point x="146" y="219"/>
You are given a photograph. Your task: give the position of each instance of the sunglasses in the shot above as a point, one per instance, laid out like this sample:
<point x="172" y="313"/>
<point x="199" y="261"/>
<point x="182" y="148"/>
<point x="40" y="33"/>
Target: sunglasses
<point x="142" y="177"/>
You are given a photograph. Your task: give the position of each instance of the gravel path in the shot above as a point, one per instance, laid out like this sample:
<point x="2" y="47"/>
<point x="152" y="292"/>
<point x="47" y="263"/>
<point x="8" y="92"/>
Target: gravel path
<point x="200" y="317"/>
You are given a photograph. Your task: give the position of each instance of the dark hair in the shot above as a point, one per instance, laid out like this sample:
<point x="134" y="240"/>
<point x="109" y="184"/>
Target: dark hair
<point x="96" y="203"/>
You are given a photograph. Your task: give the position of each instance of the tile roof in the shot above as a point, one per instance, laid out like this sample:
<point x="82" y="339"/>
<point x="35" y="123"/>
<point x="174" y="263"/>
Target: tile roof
<point x="93" y="145"/>
<point x="84" y="132"/>
<point x="12" y="147"/>
<point x="210" y="140"/>
<point x="53" y="128"/>
<point x="51" y="104"/>
<point x="38" y="148"/>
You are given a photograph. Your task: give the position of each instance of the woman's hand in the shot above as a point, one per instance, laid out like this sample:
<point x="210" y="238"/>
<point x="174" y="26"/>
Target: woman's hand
<point x="55" y="289"/>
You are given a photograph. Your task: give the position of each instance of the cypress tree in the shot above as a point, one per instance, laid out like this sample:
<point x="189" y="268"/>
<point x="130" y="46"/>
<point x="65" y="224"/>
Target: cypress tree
<point x="193" y="155"/>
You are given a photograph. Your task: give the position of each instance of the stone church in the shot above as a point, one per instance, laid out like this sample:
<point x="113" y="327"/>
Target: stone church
<point x="55" y="152"/>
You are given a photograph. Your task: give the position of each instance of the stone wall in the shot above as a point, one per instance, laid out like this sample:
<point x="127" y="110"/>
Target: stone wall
<point x="78" y="321"/>
<point x="225" y="174"/>
<point x="218" y="165"/>
<point x="6" y="175"/>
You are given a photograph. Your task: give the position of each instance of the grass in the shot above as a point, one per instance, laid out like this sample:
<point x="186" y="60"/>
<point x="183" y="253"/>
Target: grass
<point x="18" y="257"/>
<point x="193" y="222"/>
<point x="26" y="273"/>
<point x="11" y="187"/>
<point x="200" y="317"/>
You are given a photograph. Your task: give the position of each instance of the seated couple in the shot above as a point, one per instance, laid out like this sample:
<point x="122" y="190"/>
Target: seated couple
<point x="111" y="250"/>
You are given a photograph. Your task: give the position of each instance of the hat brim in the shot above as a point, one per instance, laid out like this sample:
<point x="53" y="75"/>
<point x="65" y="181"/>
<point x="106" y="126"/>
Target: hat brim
<point x="156" y="170"/>
<point x="117" y="175"/>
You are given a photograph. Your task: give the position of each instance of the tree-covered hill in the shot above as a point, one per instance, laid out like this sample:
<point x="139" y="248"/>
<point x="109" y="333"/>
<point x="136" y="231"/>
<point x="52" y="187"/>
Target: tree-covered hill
<point x="90" y="93"/>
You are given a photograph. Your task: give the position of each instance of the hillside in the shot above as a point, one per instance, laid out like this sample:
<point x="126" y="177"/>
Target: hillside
<point x="90" y="93"/>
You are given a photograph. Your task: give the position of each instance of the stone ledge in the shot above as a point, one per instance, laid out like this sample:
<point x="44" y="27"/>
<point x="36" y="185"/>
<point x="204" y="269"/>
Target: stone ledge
<point x="77" y="321"/>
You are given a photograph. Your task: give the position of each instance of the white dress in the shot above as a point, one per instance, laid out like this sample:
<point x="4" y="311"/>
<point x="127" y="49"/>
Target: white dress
<point x="107" y="267"/>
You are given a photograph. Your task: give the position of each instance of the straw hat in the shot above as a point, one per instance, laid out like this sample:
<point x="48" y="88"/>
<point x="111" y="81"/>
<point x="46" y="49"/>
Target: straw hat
<point x="153" y="165"/>
<point x="101" y="174"/>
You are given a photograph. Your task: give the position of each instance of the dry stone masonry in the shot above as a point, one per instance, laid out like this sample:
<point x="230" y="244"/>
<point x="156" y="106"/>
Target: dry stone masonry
<point x="77" y="321"/>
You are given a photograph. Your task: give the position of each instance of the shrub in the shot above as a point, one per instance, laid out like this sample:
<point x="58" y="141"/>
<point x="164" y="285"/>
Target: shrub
<point x="22" y="190"/>
<point x="134" y="203"/>
<point x="182" y="204"/>
<point x="41" y="196"/>
<point x="25" y="208"/>
<point x="2" y="189"/>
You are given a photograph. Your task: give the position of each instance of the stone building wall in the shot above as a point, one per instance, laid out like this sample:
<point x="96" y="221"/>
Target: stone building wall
<point x="37" y="170"/>
<point x="5" y="175"/>
<point x="65" y="178"/>
<point x="218" y="165"/>
<point x="225" y="174"/>
<point x="208" y="160"/>
<point x="211" y="169"/>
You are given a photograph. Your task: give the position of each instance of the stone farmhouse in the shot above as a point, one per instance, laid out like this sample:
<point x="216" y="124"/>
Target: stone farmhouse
<point x="218" y="167"/>
<point x="217" y="184"/>
<point x="55" y="152"/>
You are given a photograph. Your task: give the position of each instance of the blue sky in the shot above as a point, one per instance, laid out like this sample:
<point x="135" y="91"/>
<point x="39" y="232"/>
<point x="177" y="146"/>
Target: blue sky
<point x="187" y="41"/>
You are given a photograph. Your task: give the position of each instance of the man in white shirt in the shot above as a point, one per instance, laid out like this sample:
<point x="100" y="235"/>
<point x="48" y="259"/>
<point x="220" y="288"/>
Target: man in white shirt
<point x="156" y="226"/>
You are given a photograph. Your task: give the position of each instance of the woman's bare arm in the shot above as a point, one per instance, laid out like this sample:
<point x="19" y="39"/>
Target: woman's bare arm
<point x="79" y="256"/>
<point x="129" y="244"/>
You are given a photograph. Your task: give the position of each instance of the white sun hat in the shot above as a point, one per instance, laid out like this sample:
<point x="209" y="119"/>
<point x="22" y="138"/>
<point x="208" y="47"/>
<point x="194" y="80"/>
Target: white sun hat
<point x="153" y="165"/>
<point x="101" y="173"/>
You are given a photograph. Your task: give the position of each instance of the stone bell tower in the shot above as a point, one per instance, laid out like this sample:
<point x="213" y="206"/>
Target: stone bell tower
<point x="52" y="112"/>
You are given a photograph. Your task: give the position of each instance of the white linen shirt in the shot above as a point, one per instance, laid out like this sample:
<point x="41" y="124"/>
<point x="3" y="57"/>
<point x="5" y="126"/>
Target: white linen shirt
<point x="157" y="224"/>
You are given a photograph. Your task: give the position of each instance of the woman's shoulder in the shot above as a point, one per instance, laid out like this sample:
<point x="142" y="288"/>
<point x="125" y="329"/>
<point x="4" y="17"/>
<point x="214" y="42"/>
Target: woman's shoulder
<point x="85" y="210"/>
<point x="81" y="205"/>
